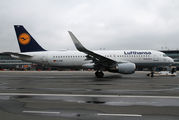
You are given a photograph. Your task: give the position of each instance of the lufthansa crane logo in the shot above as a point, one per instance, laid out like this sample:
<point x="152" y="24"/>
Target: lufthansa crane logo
<point x="24" y="38"/>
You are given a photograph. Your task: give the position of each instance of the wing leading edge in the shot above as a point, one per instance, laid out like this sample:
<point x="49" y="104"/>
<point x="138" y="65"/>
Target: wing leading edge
<point x="97" y="58"/>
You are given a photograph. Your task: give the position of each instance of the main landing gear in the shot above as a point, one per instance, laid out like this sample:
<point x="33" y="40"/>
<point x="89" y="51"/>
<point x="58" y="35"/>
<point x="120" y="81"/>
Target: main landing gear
<point x="99" y="74"/>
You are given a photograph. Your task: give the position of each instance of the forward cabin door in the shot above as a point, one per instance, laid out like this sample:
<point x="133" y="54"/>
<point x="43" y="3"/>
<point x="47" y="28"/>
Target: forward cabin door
<point x="155" y="56"/>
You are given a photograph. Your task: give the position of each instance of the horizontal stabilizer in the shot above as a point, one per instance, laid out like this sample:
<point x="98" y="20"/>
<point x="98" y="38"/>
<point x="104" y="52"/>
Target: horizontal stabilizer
<point x="18" y="54"/>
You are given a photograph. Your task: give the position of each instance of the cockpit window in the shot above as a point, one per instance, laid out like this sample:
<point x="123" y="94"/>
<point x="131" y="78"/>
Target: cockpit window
<point x="164" y="55"/>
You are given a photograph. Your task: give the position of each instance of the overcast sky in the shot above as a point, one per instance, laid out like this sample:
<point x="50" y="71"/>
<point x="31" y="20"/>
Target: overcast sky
<point x="109" y="24"/>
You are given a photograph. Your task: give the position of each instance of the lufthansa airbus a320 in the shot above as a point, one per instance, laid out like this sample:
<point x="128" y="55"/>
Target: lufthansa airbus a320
<point x="117" y="61"/>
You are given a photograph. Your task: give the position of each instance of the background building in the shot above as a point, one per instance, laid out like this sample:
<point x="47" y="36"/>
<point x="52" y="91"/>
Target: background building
<point x="6" y="62"/>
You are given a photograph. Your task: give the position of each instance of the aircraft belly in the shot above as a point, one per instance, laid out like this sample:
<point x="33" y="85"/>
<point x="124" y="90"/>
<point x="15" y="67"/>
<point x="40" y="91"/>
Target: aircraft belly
<point x="150" y="64"/>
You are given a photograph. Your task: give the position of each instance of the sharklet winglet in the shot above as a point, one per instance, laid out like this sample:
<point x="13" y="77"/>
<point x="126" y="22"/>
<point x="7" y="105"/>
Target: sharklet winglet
<point x="77" y="43"/>
<point x="81" y="48"/>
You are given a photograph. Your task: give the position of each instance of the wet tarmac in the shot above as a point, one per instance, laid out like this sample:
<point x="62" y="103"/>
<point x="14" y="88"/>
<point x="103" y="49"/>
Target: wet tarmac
<point x="78" y="95"/>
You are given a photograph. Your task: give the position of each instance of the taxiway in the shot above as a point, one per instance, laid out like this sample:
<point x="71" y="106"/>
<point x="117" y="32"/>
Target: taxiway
<point x="69" y="95"/>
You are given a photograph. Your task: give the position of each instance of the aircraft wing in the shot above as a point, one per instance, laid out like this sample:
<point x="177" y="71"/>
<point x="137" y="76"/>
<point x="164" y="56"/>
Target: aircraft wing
<point x="18" y="54"/>
<point x="97" y="58"/>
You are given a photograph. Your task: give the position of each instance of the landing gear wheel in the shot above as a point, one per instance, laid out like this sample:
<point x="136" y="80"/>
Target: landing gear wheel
<point x="152" y="74"/>
<point x="99" y="74"/>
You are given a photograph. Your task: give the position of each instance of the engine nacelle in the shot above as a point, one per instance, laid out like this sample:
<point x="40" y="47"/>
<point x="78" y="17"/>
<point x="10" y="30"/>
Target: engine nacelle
<point x="124" y="68"/>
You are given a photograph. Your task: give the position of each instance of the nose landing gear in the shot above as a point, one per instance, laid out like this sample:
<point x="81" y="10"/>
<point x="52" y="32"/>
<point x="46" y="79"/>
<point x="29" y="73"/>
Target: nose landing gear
<point x="152" y="73"/>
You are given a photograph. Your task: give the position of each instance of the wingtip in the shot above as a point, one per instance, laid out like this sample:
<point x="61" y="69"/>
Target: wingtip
<point x="18" y="25"/>
<point x="71" y="34"/>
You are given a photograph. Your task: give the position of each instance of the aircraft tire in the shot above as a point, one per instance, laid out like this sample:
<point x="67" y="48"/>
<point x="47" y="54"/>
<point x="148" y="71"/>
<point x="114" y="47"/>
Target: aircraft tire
<point x="99" y="74"/>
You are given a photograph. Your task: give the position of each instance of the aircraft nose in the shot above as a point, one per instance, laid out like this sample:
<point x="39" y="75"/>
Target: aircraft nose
<point x="171" y="60"/>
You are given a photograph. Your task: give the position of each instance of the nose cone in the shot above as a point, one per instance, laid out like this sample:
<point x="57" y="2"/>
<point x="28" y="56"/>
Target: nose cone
<point x="171" y="60"/>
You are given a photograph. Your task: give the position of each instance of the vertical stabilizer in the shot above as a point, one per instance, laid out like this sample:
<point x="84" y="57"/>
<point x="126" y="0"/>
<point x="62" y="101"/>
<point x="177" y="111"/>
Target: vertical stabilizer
<point x="26" y="42"/>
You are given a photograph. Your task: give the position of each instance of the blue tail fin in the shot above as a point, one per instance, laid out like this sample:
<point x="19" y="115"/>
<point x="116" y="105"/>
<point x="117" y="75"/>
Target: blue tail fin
<point x="26" y="42"/>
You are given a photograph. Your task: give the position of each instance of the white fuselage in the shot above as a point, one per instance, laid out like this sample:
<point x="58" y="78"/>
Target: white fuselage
<point x="76" y="59"/>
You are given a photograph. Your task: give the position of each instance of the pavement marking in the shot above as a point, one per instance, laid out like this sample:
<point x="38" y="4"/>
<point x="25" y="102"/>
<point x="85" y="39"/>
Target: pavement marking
<point x="58" y="95"/>
<point x="78" y="95"/>
<point x="124" y="115"/>
<point x="133" y="96"/>
<point x="42" y="112"/>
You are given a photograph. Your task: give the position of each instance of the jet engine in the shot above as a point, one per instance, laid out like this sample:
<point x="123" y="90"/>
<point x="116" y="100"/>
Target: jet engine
<point x="124" y="68"/>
